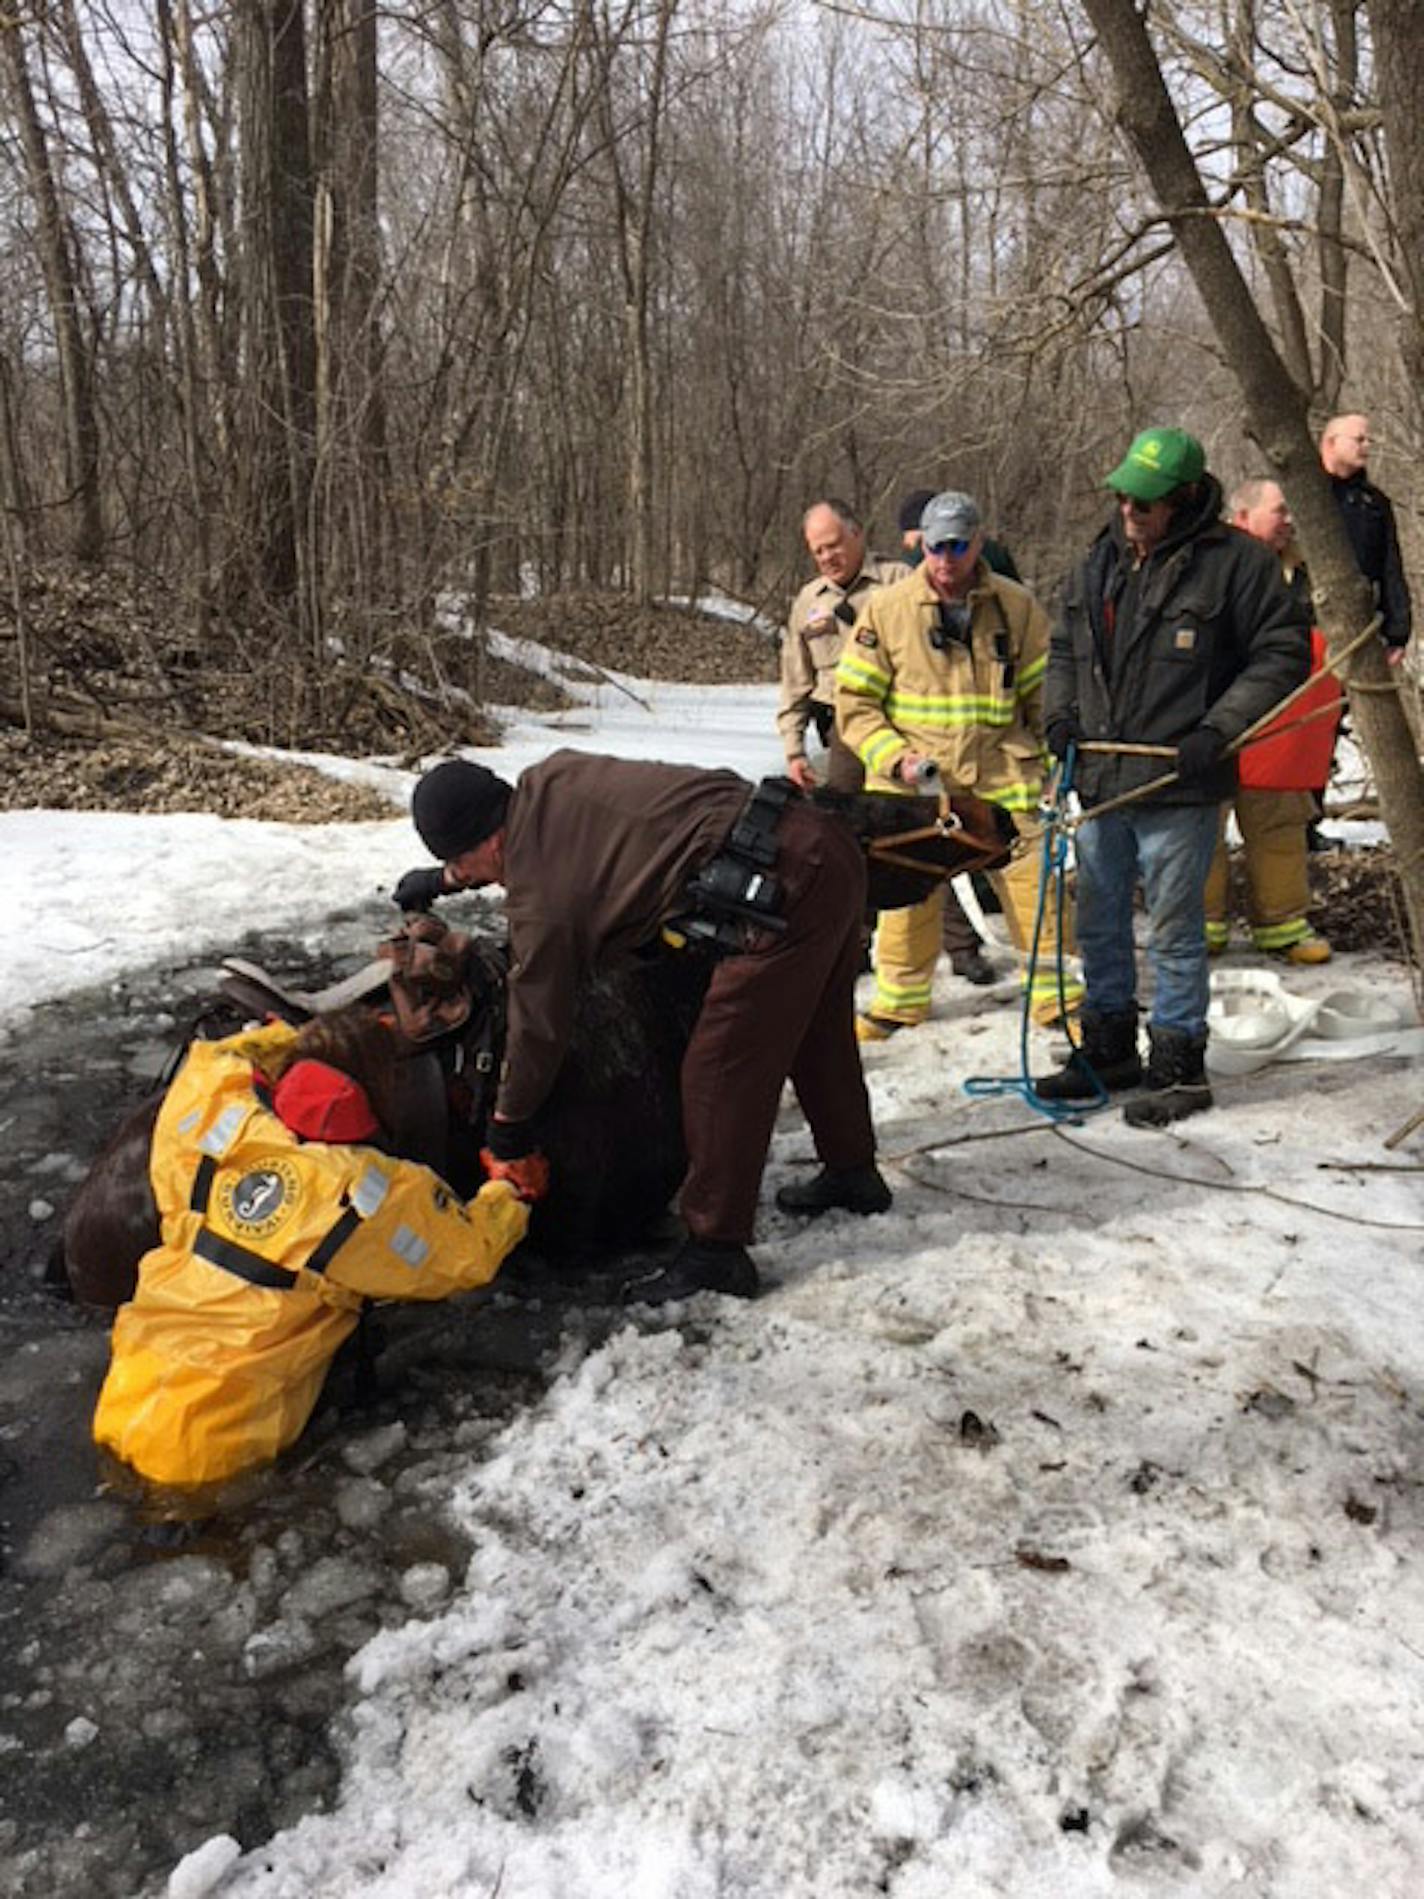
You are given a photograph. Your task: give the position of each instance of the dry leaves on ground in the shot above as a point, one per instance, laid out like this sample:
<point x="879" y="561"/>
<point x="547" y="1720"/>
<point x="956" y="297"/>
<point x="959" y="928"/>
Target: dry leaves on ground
<point x="649" y="642"/>
<point x="70" y="774"/>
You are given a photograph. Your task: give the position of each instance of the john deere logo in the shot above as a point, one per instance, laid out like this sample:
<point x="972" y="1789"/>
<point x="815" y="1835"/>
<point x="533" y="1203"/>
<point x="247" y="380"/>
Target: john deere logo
<point x="257" y="1203"/>
<point x="1150" y="452"/>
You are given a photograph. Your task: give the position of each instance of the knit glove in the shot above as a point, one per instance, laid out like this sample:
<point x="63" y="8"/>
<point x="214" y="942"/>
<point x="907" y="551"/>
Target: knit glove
<point x="510" y="1140"/>
<point x="418" y="889"/>
<point x="1062" y="733"/>
<point x="1198" y="755"/>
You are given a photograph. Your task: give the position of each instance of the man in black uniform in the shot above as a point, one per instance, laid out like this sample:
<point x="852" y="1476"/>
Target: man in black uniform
<point x="1369" y="521"/>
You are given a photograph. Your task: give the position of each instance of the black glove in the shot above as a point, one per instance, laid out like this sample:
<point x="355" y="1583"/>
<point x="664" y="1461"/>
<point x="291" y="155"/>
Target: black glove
<point x="1198" y="755"/>
<point x="418" y="889"/>
<point x="510" y="1140"/>
<point x="1062" y="733"/>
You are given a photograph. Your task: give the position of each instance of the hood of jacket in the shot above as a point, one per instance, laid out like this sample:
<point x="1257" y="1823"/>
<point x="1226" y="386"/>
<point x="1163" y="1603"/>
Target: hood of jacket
<point x="1200" y="515"/>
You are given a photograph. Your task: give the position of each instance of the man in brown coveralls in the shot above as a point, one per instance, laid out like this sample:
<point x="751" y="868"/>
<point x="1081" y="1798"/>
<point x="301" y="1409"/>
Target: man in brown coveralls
<point x="598" y="857"/>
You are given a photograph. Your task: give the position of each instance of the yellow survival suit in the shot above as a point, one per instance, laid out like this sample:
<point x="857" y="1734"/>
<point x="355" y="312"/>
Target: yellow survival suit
<point x="269" y="1246"/>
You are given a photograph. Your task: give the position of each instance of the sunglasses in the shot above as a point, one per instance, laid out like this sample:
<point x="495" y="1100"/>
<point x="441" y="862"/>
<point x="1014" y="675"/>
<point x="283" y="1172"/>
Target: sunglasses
<point x="956" y="549"/>
<point x="1133" y="504"/>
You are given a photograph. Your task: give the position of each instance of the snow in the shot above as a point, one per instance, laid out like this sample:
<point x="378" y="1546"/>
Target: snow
<point x="1058" y="1533"/>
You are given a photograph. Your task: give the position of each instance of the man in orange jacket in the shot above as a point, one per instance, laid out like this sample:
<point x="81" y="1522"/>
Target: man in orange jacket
<point x="279" y="1216"/>
<point x="1274" y="801"/>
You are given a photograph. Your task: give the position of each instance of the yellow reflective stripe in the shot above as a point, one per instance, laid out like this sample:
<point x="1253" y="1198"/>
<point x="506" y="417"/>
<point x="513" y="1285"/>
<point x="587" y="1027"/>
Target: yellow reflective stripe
<point x="907" y="998"/>
<point x="1015" y="797"/>
<point x="1032" y="673"/>
<point x="941" y="709"/>
<point x="1045" y="983"/>
<point x="880" y="751"/>
<point x="858" y="675"/>
<point x="1270" y="936"/>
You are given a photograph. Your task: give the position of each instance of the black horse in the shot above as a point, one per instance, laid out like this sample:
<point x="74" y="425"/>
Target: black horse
<point x="612" y="1127"/>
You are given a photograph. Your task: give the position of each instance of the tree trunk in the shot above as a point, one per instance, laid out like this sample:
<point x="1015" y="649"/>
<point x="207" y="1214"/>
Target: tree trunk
<point x="1398" y="30"/>
<point x="351" y="428"/>
<point x="634" y="206"/>
<point x="57" y="250"/>
<point x="280" y="337"/>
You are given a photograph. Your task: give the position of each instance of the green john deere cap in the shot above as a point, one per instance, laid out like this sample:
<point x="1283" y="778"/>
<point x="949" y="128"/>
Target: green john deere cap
<point x="1158" y="461"/>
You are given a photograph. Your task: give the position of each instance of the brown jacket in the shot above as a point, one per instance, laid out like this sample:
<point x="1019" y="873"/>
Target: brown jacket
<point x="597" y="854"/>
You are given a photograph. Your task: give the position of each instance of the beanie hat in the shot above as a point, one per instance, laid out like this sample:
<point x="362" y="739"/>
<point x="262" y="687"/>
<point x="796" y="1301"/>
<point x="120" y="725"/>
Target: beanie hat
<point x="912" y="507"/>
<point x="321" y="1103"/>
<point x="457" y="806"/>
<point x="1159" y="461"/>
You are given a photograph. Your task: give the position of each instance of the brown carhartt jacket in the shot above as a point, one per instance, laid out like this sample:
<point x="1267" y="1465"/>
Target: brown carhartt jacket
<point x="597" y="854"/>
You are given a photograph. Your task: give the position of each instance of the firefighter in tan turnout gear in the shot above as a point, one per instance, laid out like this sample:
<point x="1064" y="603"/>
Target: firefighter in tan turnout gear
<point x="946" y="667"/>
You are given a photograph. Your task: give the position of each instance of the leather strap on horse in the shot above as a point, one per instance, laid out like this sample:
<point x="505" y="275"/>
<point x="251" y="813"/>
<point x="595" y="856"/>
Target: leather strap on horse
<point x="961" y="819"/>
<point x="443" y="981"/>
<point x="429" y="981"/>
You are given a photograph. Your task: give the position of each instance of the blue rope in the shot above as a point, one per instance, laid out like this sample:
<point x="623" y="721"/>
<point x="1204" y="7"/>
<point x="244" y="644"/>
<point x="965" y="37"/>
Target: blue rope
<point x="1053" y="811"/>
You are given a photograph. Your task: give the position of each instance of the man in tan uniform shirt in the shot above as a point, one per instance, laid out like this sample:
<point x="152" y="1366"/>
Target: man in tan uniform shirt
<point x="821" y="616"/>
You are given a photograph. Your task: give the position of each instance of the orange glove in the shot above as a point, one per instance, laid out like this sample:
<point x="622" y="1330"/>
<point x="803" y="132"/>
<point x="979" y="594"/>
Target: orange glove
<point x="529" y="1175"/>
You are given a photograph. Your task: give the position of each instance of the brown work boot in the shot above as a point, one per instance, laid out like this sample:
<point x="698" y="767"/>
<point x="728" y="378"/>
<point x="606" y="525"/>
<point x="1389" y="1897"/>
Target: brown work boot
<point x="1306" y="950"/>
<point x="878" y="1028"/>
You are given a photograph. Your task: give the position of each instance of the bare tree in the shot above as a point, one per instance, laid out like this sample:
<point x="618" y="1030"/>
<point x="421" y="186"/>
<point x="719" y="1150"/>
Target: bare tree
<point x="1398" y="32"/>
<point x="279" y="343"/>
<point x="57" y="245"/>
<point x="351" y="449"/>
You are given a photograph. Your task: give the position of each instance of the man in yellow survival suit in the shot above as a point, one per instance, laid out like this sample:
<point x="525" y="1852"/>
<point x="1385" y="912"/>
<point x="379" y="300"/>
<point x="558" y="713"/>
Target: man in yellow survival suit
<point x="278" y="1221"/>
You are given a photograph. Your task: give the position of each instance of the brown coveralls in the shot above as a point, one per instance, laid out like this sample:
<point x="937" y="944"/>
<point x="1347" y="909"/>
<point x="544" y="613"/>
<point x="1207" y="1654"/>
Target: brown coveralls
<point x="598" y="855"/>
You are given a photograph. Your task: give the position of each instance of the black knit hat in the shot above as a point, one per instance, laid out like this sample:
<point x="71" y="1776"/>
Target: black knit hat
<point x="456" y="806"/>
<point x="912" y="507"/>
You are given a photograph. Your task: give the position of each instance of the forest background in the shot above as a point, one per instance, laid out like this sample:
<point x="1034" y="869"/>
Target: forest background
<point x="327" y="327"/>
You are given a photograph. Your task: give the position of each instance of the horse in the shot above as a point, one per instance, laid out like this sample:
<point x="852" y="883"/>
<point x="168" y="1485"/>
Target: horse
<point x="612" y="1127"/>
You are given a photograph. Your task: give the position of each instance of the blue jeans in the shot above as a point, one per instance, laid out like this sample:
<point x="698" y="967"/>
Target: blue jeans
<point x="1170" y="848"/>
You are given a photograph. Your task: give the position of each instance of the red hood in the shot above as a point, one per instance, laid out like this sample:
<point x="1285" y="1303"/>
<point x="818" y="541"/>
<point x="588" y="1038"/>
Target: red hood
<point x="322" y="1104"/>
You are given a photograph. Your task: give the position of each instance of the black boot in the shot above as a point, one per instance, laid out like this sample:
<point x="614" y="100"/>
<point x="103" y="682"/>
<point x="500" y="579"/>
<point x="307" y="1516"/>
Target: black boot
<point x="857" y="1189"/>
<point x="1176" y="1081"/>
<point x="1108" y="1048"/>
<point x="698" y="1266"/>
<point x="973" y="965"/>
